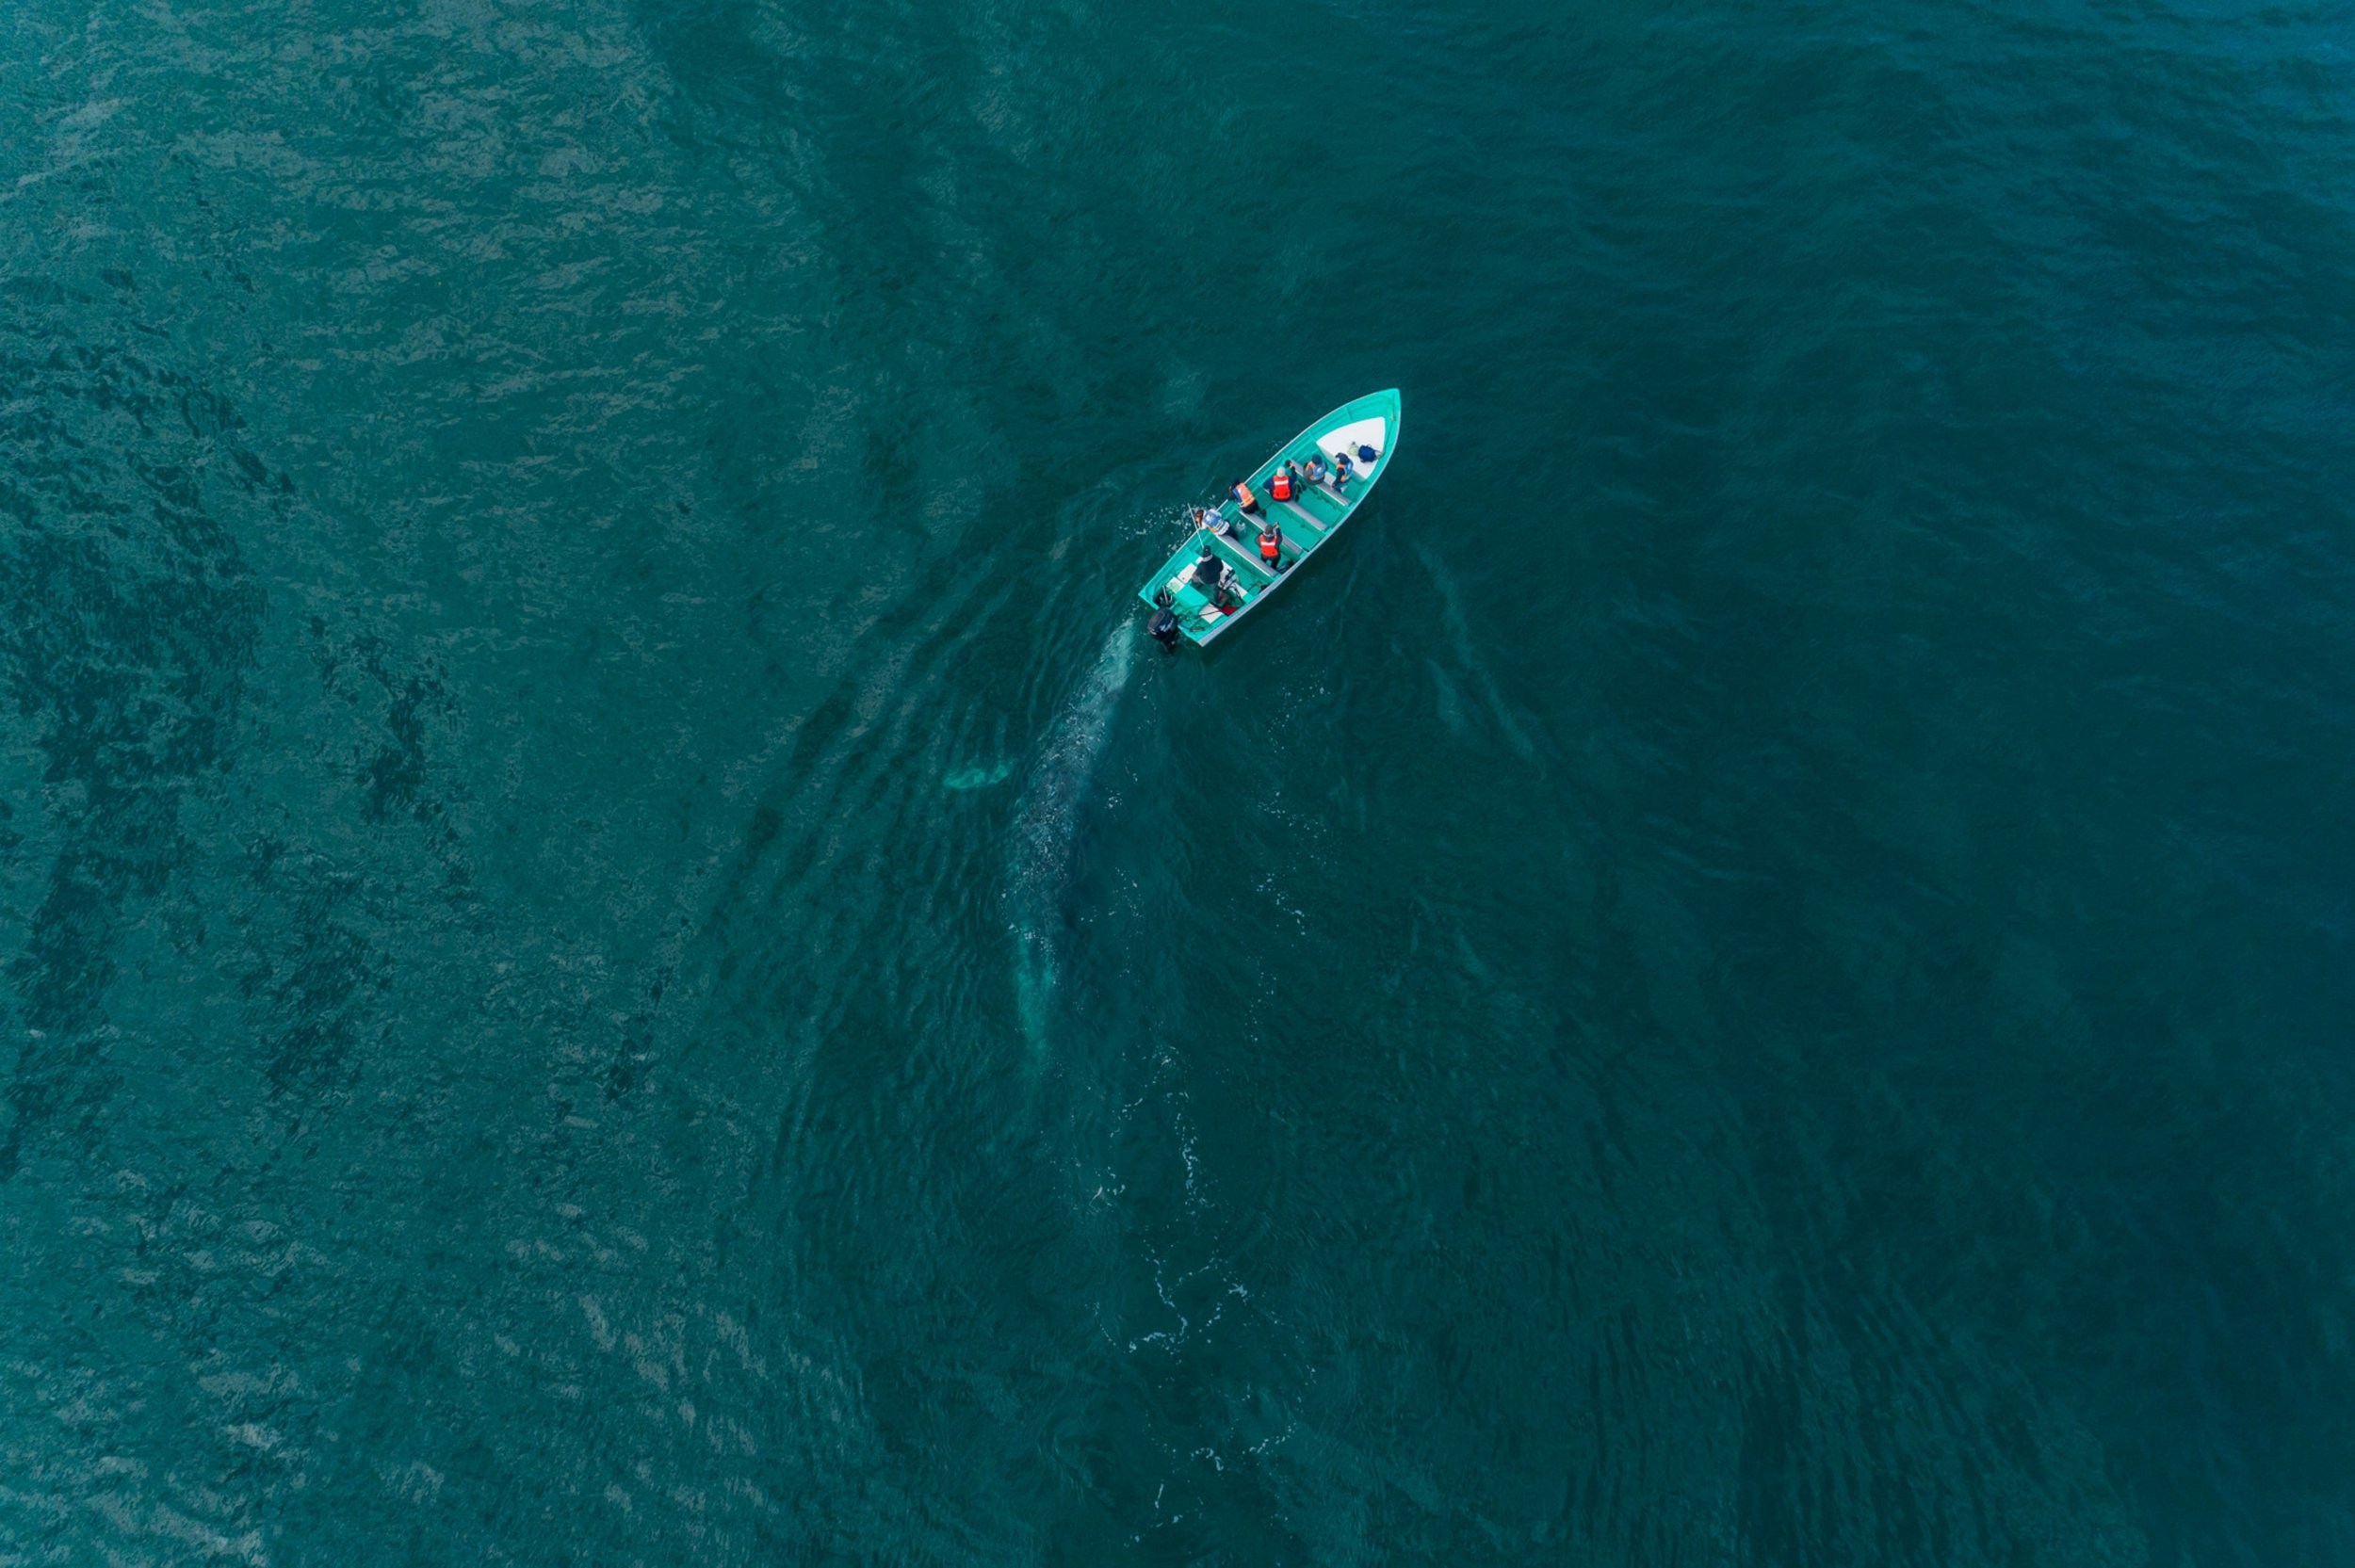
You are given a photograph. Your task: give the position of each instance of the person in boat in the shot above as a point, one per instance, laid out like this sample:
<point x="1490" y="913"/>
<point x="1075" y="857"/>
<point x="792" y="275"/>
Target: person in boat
<point x="1341" y="472"/>
<point x="1213" y="575"/>
<point x="1284" y="484"/>
<point x="1272" y="543"/>
<point x="1208" y="517"/>
<point x="1245" y="499"/>
<point x="1314" y="473"/>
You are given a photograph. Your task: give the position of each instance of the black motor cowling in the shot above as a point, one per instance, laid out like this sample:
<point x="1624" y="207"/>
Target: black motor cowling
<point x="1163" y="625"/>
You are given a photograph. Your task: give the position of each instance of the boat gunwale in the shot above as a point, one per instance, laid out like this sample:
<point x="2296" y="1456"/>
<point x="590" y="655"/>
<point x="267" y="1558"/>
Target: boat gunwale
<point x="1388" y="406"/>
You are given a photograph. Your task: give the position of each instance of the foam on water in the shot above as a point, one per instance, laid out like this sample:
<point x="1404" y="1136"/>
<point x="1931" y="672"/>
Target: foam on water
<point x="1049" y="825"/>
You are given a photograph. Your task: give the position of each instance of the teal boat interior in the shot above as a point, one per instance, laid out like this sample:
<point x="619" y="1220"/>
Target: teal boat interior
<point x="1205" y="600"/>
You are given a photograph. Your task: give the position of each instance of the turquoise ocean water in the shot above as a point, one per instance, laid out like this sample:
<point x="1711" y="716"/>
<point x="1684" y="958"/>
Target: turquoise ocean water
<point x="614" y="951"/>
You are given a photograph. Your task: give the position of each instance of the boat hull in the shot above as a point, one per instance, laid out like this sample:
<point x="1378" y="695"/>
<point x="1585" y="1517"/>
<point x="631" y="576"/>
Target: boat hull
<point x="1305" y="525"/>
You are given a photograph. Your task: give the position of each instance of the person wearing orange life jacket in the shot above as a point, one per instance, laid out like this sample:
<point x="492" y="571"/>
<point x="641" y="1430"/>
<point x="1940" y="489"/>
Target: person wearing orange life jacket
<point x="1272" y="544"/>
<point x="1279" y="484"/>
<point x="1243" y="499"/>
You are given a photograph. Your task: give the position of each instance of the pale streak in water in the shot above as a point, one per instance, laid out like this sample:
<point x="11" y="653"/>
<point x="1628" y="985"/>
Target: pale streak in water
<point x="1046" y="825"/>
<point x="977" y="776"/>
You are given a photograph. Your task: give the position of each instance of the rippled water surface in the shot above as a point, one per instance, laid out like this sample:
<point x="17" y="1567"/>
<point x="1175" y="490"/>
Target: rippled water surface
<point x="612" y="951"/>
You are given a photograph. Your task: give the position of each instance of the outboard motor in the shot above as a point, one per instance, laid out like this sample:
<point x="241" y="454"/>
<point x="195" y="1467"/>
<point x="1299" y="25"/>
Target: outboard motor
<point x="1163" y="625"/>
